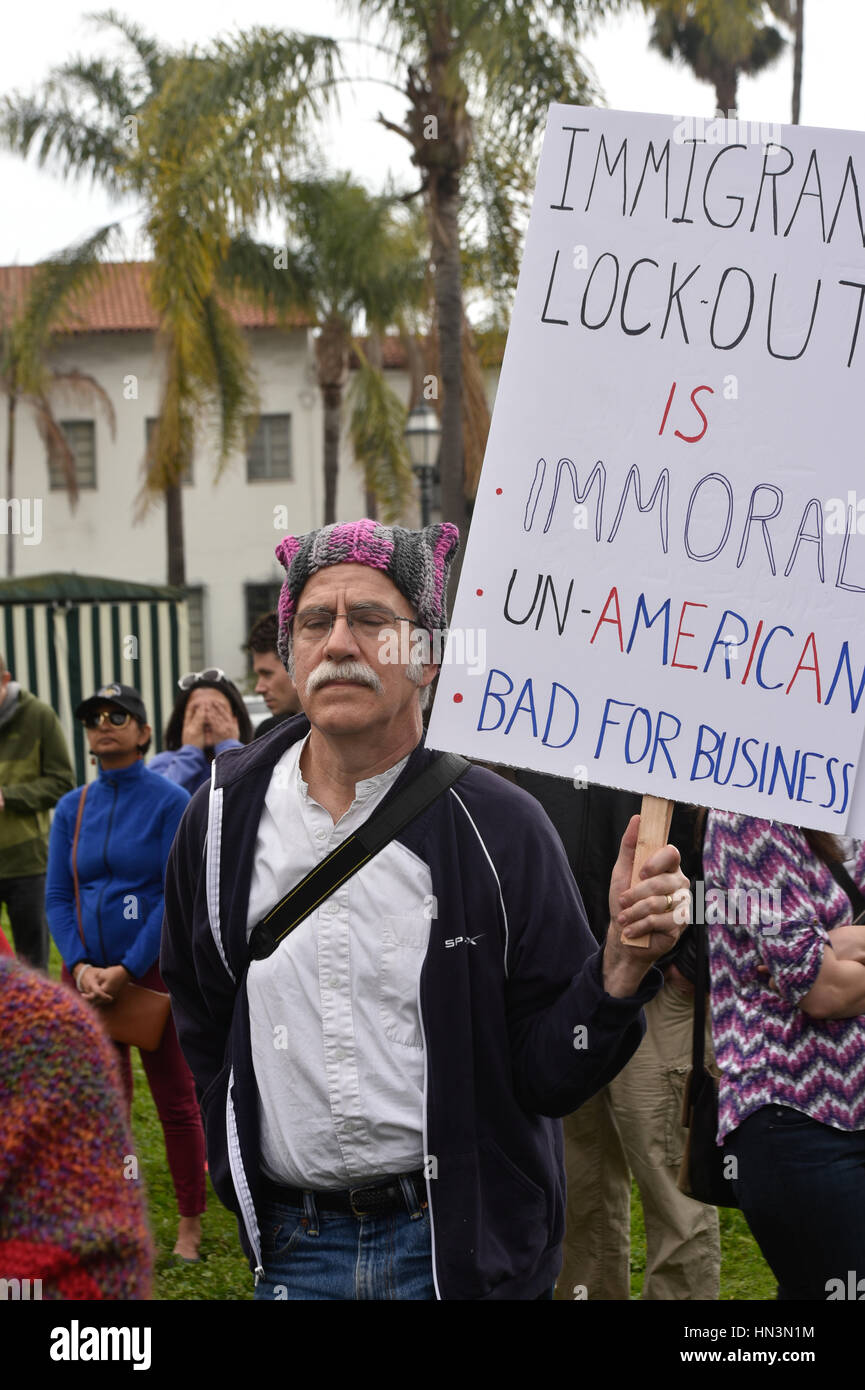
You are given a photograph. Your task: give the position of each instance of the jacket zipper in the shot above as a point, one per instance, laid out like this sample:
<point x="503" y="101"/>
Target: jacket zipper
<point x="429" y="1168"/>
<point x="105" y="960"/>
<point x="239" y="1180"/>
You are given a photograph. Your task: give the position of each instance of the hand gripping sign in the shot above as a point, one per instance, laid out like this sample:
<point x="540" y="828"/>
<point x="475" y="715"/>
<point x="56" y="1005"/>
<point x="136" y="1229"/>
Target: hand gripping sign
<point x="665" y="555"/>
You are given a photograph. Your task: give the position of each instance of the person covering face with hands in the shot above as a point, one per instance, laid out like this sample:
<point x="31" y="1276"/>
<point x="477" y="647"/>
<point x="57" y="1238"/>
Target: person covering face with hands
<point x="383" y="1099"/>
<point x="209" y="716"/>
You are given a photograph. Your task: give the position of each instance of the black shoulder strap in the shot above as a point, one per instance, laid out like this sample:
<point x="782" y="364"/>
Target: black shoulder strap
<point x="843" y="879"/>
<point x="698" y="1039"/>
<point x="382" y="827"/>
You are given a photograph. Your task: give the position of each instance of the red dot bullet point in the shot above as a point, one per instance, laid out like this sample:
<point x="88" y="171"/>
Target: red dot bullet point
<point x="498" y="492"/>
<point x="458" y="698"/>
<point x="478" y="592"/>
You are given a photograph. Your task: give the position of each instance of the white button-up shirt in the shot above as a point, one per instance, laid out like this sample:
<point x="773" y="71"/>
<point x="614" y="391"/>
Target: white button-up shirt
<point x="334" y="1020"/>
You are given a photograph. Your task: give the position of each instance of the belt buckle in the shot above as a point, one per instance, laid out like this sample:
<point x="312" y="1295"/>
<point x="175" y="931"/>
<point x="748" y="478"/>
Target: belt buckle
<point x="355" y="1194"/>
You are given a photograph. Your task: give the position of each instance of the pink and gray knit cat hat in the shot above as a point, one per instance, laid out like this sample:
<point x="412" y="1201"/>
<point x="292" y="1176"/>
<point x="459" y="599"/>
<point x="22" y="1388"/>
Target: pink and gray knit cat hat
<point x="416" y="561"/>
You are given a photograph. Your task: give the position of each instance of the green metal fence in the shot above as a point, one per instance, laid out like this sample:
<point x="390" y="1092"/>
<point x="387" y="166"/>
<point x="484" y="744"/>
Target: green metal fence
<point x="64" y="635"/>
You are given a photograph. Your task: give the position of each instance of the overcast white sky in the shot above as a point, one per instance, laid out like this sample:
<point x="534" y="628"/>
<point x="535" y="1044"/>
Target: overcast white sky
<point x="41" y="214"/>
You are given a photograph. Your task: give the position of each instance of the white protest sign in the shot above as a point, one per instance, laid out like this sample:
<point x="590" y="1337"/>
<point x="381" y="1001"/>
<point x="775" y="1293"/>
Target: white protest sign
<point x="666" y="558"/>
<point x="856" y="818"/>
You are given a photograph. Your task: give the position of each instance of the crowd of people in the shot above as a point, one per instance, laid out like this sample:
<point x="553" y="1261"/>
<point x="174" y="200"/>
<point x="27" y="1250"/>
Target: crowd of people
<point x="404" y="1008"/>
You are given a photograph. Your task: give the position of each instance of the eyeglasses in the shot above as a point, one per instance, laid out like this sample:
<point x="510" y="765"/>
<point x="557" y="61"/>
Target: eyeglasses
<point x="212" y="673"/>
<point x="118" y="717"/>
<point x="317" y="623"/>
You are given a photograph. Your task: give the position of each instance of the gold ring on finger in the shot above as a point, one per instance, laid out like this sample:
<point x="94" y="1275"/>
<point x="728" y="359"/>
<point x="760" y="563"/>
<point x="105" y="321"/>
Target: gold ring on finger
<point x="669" y="907"/>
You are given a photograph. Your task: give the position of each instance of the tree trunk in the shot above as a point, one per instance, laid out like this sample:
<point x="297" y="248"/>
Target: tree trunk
<point x="375" y="358"/>
<point x="331" y="355"/>
<point x="798" y="49"/>
<point x="10" y="477"/>
<point x="332" y="395"/>
<point x="416" y="368"/>
<point x="440" y="131"/>
<point x="444" y="218"/>
<point x="174" y="535"/>
<point x="726" y="84"/>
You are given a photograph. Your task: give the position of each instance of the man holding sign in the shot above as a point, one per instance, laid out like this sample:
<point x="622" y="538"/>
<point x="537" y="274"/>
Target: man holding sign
<point x="381" y="1079"/>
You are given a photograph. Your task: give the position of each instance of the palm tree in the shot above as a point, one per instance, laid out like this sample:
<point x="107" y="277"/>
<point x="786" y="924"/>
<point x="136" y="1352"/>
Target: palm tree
<point x="201" y="141"/>
<point x="798" y="49"/>
<point x="718" y="43"/>
<point x="471" y="66"/>
<point x="28" y="333"/>
<point x="352" y="261"/>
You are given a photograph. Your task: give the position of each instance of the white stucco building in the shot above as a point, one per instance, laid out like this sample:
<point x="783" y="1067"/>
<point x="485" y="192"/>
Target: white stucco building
<point x="231" y="525"/>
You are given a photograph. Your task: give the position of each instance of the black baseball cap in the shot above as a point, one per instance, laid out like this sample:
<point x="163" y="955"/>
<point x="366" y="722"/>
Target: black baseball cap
<point x="123" y="696"/>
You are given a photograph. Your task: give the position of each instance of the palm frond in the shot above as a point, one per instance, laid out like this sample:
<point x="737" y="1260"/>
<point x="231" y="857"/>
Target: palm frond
<point x="172" y="442"/>
<point x="151" y="55"/>
<point x="376" y="428"/>
<point x="56" y="444"/>
<point x="82" y="386"/>
<point x="61" y="136"/>
<point x="51" y="300"/>
<point x="228" y="377"/>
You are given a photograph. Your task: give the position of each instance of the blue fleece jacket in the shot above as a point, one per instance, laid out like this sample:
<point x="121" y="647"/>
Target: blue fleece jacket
<point x="189" y="766"/>
<point x="130" y="818"/>
<point x="517" y="1031"/>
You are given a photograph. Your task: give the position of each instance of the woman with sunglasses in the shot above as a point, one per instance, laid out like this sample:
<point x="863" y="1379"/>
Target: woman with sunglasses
<point x="128" y="822"/>
<point x="209" y="716"/>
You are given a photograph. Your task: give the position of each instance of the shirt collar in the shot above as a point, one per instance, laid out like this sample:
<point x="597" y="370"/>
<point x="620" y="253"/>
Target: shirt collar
<point x="367" y="787"/>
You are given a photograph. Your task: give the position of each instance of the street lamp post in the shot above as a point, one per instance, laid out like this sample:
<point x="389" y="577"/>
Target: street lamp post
<point x="422" y="435"/>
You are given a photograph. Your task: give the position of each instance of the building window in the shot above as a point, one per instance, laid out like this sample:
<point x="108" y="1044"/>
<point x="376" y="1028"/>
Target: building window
<point x="187" y="478"/>
<point x="81" y="438"/>
<point x="269" y="452"/>
<point x="195" y="617"/>
<point x="259" y="599"/>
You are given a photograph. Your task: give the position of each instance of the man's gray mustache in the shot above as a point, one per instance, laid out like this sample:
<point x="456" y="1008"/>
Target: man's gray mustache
<point x="344" y="671"/>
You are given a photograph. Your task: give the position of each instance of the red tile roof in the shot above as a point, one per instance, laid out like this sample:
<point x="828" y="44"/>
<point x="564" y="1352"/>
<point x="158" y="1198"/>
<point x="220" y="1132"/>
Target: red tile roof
<point x="118" y="301"/>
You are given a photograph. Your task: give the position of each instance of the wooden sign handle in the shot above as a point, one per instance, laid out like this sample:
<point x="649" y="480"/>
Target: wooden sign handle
<point x="656" y="812"/>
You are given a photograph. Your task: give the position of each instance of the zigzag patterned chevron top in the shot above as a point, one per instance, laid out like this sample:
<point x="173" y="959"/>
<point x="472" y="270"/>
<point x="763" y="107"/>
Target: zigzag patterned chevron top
<point x="770" y="901"/>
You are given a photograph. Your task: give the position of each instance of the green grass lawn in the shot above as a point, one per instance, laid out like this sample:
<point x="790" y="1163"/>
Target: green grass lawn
<point x="224" y="1273"/>
<point x="744" y="1273"/>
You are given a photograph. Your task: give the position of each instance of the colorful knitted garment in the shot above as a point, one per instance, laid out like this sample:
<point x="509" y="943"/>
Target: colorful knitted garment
<point x="768" y="1049"/>
<point x="417" y="561"/>
<point x="72" y="1211"/>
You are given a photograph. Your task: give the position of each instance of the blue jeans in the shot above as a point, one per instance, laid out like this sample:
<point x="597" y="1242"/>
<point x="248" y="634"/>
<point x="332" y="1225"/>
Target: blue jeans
<point x="333" y="1255"/>
<point x="801" y="1187"/>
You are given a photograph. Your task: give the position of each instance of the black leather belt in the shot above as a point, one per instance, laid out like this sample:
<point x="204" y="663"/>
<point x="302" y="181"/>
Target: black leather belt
<point x="369" y="1199"/>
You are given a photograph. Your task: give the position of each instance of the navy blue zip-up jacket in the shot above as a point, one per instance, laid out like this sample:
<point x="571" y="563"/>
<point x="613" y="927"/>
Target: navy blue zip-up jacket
<point x="517" y="1032"/>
